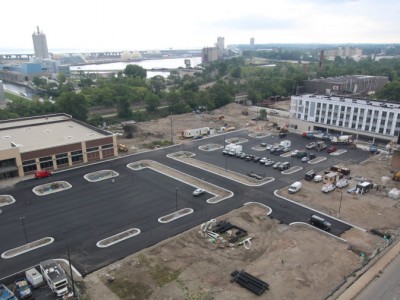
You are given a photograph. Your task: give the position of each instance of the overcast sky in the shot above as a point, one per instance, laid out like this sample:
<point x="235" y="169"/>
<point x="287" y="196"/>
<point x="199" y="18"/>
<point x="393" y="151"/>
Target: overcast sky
<point x="178" y="24"/>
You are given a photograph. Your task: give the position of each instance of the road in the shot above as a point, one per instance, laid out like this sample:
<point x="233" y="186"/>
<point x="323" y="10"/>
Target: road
<point x="385" y="287"/>
<point x="89" y="212"/>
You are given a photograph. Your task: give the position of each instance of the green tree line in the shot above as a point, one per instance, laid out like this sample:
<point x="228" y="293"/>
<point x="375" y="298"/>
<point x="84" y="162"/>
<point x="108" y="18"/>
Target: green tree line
<point x="214" y="87"/>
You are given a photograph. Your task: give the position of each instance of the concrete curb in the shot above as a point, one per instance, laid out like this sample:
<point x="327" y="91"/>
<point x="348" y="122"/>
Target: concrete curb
<point x="378" y="266"/>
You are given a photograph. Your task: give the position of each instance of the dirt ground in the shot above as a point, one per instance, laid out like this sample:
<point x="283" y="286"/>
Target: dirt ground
<point x="157" y="130"/>
<point x="298" y="262"/>
<point x="189" y="266"/>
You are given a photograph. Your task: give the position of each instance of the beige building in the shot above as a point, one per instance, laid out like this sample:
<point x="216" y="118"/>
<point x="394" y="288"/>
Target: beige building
<point x="50" y="142"/>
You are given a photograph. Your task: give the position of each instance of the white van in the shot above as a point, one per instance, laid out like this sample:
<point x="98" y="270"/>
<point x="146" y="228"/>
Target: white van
<point x="318" y="178"/>
<point x="34" y="278"/>
<point x="295" y="187"/>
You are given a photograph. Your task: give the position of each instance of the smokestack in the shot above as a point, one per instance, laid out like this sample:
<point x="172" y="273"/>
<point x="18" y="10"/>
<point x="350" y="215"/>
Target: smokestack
<point x="321" y="60"/>
<point x="37" y="29"/>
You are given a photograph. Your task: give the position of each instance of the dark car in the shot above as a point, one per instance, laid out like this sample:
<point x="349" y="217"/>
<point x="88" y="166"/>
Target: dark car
<point x="331" y="149"/>
<point x="312" y="156"/>
<point x="282" y="135"/>
<point x="256" y="159"/>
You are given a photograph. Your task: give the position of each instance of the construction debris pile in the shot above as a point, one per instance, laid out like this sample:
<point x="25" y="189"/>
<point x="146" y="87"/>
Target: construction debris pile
<point x="225" y="234"/>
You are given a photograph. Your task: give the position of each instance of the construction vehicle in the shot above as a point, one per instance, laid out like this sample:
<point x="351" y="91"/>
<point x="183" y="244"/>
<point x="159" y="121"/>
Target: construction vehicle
<point x="122" y="148"/>
<point x="343" y="139"/>
<point x="284" y="129"/>
<point x="396" y="176"/>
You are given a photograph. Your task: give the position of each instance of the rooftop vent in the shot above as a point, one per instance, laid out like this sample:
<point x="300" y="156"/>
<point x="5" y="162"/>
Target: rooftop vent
<point x="6" y="137"/>
<point x="47" y="130"/>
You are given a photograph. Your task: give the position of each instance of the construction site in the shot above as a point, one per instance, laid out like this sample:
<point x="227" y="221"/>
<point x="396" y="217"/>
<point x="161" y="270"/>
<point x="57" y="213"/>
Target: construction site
<point x="201" y="265"/>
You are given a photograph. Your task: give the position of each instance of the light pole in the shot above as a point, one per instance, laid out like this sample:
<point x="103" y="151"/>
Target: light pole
<point x="23" y="226"/>
<point x="176" y="199"/>
<point x="340" y="204"/>
<point x="172" y="140"/>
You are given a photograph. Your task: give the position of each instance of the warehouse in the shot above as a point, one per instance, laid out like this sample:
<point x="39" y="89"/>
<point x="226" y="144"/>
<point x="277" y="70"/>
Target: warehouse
<point x="50" y="142"/>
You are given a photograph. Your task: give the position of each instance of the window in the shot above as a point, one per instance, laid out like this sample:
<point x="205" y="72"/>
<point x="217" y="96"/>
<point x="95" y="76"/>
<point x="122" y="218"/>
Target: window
<point x="29" y="166"/>
<point x="76" y="156"/>
<point x="46" y="162"/>
<point x="62" y="159"/>
<point x="7" y="163"/>
<point x="93" y="149"/>
<point x="107" y="146"/>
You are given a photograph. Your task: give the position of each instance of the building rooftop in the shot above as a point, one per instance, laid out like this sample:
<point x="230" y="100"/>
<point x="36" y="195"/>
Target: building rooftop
<point x="345" y="78"/>
<point x="42" y="132"/>
<point x="358" y="101"/>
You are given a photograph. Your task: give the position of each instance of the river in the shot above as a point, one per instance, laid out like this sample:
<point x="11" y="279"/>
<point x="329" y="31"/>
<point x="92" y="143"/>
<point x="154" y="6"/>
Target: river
<point x="168" y="63"/>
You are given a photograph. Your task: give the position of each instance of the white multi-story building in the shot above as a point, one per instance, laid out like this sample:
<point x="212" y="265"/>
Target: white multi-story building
<point x="362" y="118"/>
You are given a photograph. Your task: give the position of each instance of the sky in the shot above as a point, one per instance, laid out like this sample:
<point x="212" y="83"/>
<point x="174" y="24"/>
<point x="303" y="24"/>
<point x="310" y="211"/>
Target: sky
<point x="129" y="25"/>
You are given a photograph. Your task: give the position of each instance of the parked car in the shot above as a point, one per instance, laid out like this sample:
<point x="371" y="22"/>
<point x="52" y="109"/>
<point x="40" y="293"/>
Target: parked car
<point x="311" y="145"/>
<point x="294" y="152"/>
<point x="269" y="147"/>
<point x="198" y="192"/>
<point x="256" y="159"/>
<point x="305" y="159"/>
<point x="42" y="174"/>
<point x="276" y="165"/>
<point x="198" y="137"/>
<point x="341" y="183"/>
<point x="319" y="222"/>
<point x="263" y="144"/>
<point x="329" y="187"/>
<point x="318" y="178"/>
<point x="331" y="149"/>
<point x="242" y="155"/>
<point x="312" y="156"/>
<point x="269" y="163"/>
<point x="282" y="135"/>
<point x="263" y="160"/>
<point x="284" y="166"/>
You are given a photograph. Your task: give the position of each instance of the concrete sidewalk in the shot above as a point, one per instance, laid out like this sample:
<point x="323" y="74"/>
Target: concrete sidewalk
<point x="361" y="283"/>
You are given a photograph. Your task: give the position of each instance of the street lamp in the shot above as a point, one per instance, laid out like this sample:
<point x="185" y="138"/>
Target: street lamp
<point x="340" y="204"/>
<point x="176" y="199"/>
<point x="172" y="140"/>
<point x="23" y="226"/>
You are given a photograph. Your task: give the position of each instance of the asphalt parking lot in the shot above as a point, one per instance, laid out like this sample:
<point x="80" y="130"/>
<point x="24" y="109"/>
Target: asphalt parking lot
<point x="88" y="212"/>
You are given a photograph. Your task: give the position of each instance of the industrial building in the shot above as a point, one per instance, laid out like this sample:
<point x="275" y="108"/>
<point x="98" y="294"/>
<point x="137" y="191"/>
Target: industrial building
<point x="355" y="85"/>
<point x="2" y="95"/>
<point x="209" y="54"/>
<point x="40" y="44"/>
<point x="50" y="142"/>
<point x="365" y="119"/>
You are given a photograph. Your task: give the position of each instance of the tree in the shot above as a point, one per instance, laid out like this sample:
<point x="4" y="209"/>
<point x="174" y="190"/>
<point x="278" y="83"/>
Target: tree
<point x="135" y="71"/>
<point x="263" y="114"/>
<point x="152" y="101"/>
<point x="123" y="107"/>
<point x="157" y="84"/>
<point x="73" y="104"/>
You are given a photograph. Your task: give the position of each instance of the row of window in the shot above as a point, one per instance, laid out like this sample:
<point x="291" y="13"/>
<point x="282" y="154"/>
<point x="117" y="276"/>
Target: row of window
<point x="62" y="158"/>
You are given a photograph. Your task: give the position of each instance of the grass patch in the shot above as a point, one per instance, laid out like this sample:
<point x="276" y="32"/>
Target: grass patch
<point x="159" y="273"/>
<point x="126" y="289"/>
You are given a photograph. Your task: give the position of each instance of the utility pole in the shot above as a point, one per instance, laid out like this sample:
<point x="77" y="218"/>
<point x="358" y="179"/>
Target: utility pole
<point x="172" y="139"/>
<point x="70" y="271"/>
<point x="340" y="204"/>
<point x="23" y="226"/>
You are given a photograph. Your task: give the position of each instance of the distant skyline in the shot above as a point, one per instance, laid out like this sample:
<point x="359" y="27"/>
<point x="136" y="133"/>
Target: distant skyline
<point x="130" y="25"/>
